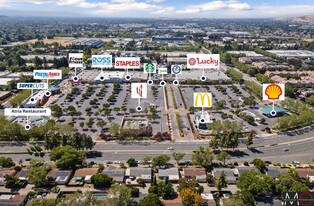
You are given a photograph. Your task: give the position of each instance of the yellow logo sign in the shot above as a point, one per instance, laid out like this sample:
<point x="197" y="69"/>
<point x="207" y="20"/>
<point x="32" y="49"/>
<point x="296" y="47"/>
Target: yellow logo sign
<point x="202" y="99"/>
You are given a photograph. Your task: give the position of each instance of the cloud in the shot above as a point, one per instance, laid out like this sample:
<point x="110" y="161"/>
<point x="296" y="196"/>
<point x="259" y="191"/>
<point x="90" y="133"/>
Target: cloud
<point x="165" y="11"/>
<point x="214" y="6"/>
<point x="156" y="1"/>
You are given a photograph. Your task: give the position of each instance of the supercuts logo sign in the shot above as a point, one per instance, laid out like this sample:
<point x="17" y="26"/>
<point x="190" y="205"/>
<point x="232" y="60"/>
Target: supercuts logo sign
<point x="101" y="61"/>
<point x="127" y="63"/>
<point x="47" y="74"/>
<point x="75" y="59"/>
<point x="200" y="61"/>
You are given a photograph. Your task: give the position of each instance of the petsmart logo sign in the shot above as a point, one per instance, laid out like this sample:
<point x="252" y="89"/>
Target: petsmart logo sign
<point x="47" y="74"/>
<point x="101" y="61"/>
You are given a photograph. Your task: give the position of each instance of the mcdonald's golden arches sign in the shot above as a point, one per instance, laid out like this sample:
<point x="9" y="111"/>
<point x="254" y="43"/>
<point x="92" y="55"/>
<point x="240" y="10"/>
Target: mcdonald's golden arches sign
<point x="202" y="99"/>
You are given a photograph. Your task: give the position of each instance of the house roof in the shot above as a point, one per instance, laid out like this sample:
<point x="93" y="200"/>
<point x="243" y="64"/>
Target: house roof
<point x="59" y="174"/>
<point x="138" y="172"/>
<point x="231" y="178"/>
<point x="274" y="172"/>
<point x="196" y="171"/>
<point x="243" y="169"/>
<point x="304" y="173"/>
<point x="116" y="174"/>
<point x="12" y="200"/>
<point x="168" y="172"/>
<point x="85" y="172"/>
<point x="22" y="173"/>
<point x="6" y="171"/>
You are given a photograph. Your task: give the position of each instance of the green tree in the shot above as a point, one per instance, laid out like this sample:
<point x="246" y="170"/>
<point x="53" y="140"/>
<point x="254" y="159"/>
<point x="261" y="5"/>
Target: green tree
<point x="67" y="157"/>
<point x="6" y="161"/>
<point x="241" y="198"/>
<point x="132" y="162"/>
<point x="165" y="190"/>
<point x="191" y="184"/>
<point x="161" y="160"/>
<point x="119" y="195"/>
<point x="203" y="156"/>
<point x="177" y="156"/>
<point x="259" y="164"/>
<point x="249" y="140"/>
<point x="221" y="182"/>
<point x="223" y="156"/>
<point x="310" y="100"/>
<point x="37" y="176"/>
<point x="114" y="129"/>
<point x="147" y="160"/>
<point x="85" y="199"/>
<point x="151" y="200"/>
<point x="42" y="202"/>
<point x="256" y="183"/>
<point x="101" y="180"/>
<point x="12" y="181"/>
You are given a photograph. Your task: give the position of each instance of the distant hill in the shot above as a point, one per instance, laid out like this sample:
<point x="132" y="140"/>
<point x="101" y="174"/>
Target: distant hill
<point x="297" y="19"/>
<point x="3" y="16"/>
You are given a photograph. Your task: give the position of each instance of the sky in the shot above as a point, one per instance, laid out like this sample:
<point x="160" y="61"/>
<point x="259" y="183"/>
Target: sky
<point x="158" y="8"/>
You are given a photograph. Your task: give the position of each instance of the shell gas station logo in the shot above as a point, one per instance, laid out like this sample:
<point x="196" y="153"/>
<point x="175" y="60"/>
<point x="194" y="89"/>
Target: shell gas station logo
<point x="273" y="92"/>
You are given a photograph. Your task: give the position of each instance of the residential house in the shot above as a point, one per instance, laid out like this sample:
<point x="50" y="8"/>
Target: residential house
<point x="22" y="174"/>
<point x="137" y="173"/>
<point x="274" y="172"/>
<point x="115" y="173"/>
<point x="306" y="173"/>
<point x="171" y="174"/>
<point x="59" y="177"/>
<point x="198" y="173"/>
<point x="3" y="173"/>
<point x="230" y="174"/>
<point x="82" y="176"/>
<point x="12" y="200"/>
<point x="240" y="170"/>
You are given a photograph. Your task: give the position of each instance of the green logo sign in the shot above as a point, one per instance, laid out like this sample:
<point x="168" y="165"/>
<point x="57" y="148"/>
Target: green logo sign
<point x="150" y="68"/>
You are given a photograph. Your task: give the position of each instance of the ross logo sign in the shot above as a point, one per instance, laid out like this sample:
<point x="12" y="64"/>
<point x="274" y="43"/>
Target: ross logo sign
<point x="202" y="99"/>
<point x="200" y="61"/>
<point x="32" y="86"/>
<point x="272" y="92"/>
<point x="127" y="63"/>
<point x="139" y="90"/>
<point x="75" y="59"/>
<point x="176" y="69"/>
<point x="299" y="199"/>
<point x="162" y="71"/>
<point x="27" y="112"/>
<point x="150" y="68"/>
<point x="101" y="61"/>
<point x="47" y="74"/>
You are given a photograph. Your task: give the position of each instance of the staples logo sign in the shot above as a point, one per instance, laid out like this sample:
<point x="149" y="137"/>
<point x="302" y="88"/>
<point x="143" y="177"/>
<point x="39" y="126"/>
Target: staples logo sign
<point x="127" y="63"/>
<point x="200" y="61"/>
<point x="75" y="59"/>
<point x="47" y="74"/>
<point x="101" y="61"/>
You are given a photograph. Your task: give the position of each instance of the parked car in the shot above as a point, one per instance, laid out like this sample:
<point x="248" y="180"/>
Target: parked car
<point x="170" y="148"/>
<point x="295" y="162"/>
<point x="285" y="149"/>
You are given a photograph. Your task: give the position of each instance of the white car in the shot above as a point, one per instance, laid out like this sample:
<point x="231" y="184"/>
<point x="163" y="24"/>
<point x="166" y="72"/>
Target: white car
<point x="116" y="162"/>
<point x="295" y="162"/>
<point x="285" y="149"/>
<point x="170" y="148"/>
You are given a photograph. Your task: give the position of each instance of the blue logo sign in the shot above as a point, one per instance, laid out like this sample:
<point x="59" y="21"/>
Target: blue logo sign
<point x="101" y="61"/>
